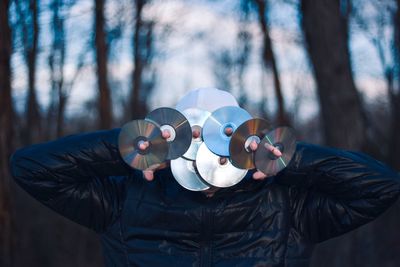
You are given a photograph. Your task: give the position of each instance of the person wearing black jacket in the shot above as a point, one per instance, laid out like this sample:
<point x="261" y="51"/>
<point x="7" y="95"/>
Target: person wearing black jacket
<point x="323" y="192"/>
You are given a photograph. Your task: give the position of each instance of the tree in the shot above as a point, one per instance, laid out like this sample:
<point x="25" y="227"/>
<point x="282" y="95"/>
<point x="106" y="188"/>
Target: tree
<point x="6" y="136"/>
<point x="325" y="27"/>
<point x="244" y="50"/>
<point x="394" y="95"/>
<point x="326" y="35"/>
<point x="28" y="24"/>
<point x="143" y="78"/>
<point x="373" y="19"/>
<point x="104" y="101"/>
<point x="270" y="60"/>
<point x="56" y="62"/>
<point x="137" y="107"/>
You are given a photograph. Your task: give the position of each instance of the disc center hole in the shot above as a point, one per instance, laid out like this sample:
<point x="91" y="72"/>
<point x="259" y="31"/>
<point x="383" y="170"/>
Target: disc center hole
<point x="228" y="129"/>
<point x="223" y="161"/>
<point x="196" y="133"/>
<point x="249" y="140"/>
<point x="142" y="144"/>
<point x="168" y="132"/>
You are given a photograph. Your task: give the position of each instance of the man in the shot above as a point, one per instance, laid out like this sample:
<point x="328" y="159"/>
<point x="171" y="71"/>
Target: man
<point x="274" y="221"/>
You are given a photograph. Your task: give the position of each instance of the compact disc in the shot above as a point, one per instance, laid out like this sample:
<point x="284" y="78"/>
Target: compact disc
<point x="252" y="130"/>
<point x="214" y="130"/>
<point x="185" y="173"/>
<point x="140" y="131"/>
<point x="282" y="138"/>
<point x="177" y="125"/>
<point x="208" y="99"/>
<point x="217" y="171"/>
<point x="196" y="118"/>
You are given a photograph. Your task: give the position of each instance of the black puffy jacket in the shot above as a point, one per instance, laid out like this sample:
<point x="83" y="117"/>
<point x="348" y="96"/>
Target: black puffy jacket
<point x="276" y="222"/>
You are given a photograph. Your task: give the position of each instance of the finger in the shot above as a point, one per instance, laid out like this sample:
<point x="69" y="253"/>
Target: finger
<point x="223" y="161"/>
<point x="277" y="152"/>
<point x="258" y="175"/>
<point x="273" y="150"/>
<point x="148" y="175"/>
<point x="154" y="167"/>
<point x="253" y="146"/>
<point x="162" y="165"/>
<point x="166" y="134"/>
<point x="228" y="131"/>
<point x="196" y="134"/>
<point x="143" y="145"/>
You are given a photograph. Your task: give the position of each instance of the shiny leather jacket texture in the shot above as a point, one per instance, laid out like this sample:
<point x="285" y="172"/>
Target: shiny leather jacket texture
<point x="323" y="193"/>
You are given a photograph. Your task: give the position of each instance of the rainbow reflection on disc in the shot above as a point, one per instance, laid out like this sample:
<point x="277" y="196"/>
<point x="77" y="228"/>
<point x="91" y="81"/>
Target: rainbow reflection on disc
<point x="134" y="132"/>
<point x="282" y="138"/>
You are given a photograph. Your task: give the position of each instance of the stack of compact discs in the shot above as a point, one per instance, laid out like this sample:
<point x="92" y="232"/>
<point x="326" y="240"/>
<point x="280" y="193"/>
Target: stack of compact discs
<point x="206" y="163"/>
<point x="209" y="140"/>
<point x="196" y="118"/>
<point x="184" y="169"/>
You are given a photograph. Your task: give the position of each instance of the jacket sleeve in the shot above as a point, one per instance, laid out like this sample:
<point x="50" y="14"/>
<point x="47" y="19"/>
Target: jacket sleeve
<point x="334" y="191"/>
<point x="82" y="176"/>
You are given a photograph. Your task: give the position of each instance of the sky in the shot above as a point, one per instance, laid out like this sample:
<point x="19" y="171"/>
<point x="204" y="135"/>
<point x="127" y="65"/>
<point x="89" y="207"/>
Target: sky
<point x="184" y="60"/>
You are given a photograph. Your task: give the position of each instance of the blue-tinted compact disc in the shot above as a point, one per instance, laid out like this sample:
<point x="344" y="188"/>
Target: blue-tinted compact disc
<point x="214" y="129"/>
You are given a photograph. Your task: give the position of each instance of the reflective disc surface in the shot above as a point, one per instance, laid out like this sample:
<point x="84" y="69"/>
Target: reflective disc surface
<point x="135" y="132"/>
<point x="208" y="99"/>
<point x="214" y="135"/>
<point x="196" y="118"/>
<point x="282" y="138"/>
<point x="240" y="155"/>
<point x="186" y="175"/>
<point x="178" y="126"/>
<point x="213" y="172"/>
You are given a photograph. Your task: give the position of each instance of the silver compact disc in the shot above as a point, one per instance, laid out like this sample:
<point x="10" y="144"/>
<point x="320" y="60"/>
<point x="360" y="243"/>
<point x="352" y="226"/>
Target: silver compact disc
<point x="219" y="127"/>
<point x="252" y="130"/>
<point x="185" y="174"/>
<point x="178" y="127"/>
<point x="208" y="99"/>
<point x="138" y="132"/>
<point x="196" y="118"/>
<point x="217" y="171"/>
<point x="283" y="139"/>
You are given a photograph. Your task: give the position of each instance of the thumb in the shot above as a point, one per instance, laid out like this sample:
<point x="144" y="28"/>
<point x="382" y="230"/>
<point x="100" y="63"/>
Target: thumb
<point x="148" y="175"/>
<point x="259" y="175"/>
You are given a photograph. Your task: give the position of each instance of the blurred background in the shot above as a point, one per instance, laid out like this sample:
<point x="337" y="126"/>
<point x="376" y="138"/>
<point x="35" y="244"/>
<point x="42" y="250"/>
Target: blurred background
<point x="329" y="68"/>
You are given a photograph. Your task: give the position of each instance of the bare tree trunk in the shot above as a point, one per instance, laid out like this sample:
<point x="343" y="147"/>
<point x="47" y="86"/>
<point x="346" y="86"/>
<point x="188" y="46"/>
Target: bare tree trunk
<point x="62" y="103"/>
<point x="270" y="61"/>
<point x="33" y="126"/>
<point x="104" y="102"/>
<point x="137" y="106"/>
<point x="326" y="35"/>
<point x="6" y="137"/>
<point x="244" y="49"/>
<point x="56" y="64"/>
<point x="394" y="96"/>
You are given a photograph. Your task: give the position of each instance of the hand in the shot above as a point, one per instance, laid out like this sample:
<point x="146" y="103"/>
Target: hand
<point x="259" y="175"/>
<point x="149" y="172"/>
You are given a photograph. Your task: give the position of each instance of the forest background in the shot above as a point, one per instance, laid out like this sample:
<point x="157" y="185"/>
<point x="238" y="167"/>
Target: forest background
<point x="329" y="68"/>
